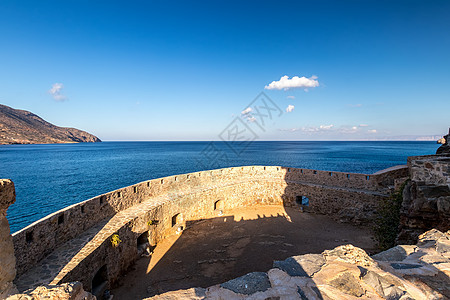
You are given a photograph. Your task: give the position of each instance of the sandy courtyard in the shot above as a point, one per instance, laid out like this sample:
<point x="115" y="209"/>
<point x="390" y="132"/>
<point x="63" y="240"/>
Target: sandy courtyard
<point x="241" y="241"/>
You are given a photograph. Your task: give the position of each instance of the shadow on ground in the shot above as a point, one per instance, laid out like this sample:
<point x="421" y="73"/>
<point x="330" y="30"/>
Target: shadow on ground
<point x="216" y="250"/>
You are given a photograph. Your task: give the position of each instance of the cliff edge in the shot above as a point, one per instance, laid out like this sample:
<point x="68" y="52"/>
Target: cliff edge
<point x="23" y="127"/>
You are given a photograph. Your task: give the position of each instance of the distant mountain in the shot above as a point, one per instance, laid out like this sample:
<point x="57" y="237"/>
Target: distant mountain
<point x="23" y="127"/>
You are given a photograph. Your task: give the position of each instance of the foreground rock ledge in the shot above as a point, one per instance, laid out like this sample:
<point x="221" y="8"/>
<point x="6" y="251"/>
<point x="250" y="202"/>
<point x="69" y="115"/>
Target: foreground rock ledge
<point x="419" y="271"/>
<point x="65" y="291"/>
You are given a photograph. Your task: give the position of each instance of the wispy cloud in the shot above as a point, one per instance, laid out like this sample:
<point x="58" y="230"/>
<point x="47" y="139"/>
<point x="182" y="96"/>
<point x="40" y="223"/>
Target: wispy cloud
<point x="357" y="130"/>
<point x="247" y="115"/>
<point x="290" y="108"/>
<point x="295" y="82"/>
<point x="310" y="129"/>
<point x="355" y="105"/>
<point x="317" y="129"/>
<point x="347" y="129"/>
<point x="55" y="91"/>
<point x="290" y="97"/>
<point x="326" y="127"/>
<point x="363" y="125"/>
<point x="289" y="129"/>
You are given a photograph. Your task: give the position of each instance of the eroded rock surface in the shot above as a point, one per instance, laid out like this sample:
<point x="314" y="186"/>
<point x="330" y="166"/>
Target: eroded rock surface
<point x="445" y="148"/>
<point x="65" y="291"/>
<point x="419" y="271"/>
<point x="7" y="258"/>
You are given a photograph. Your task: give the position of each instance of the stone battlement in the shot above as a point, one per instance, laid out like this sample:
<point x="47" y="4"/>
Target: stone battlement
<point x="73" y="244"/>
<point x="326" y="191"/>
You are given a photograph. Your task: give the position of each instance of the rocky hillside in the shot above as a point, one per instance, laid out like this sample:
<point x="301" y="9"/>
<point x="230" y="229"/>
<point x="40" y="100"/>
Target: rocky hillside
<point x="23" y="127"/>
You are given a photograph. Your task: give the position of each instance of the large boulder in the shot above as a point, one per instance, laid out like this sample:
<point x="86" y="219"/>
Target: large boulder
<point x="404" y="272"/>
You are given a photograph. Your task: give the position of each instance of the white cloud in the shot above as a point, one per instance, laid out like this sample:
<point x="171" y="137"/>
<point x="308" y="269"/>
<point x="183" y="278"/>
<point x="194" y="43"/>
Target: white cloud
<point x="321" y="128"/>
<point x="290" y="97"/>
<point x="295" y="82"/>
<point x="246" y="111"/>
<point x="347" y="130"/>
<point x="355" y="105"/>
<point x="246" y="114"/>
<point x="326" y="127"/>
<point x="290" y="108"/>
<point x="55" y="91"/>
<point x="363" y="125"/>
<point x="290" y="129"/>
<point x="330" y="129"/>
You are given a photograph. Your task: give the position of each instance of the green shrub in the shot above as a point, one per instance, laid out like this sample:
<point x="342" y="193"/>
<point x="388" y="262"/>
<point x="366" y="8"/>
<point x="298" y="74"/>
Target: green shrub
<point x="387" y="223"/>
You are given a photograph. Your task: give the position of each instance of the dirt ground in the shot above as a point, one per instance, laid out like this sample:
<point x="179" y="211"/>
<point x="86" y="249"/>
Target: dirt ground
<point x="241" y="241"/>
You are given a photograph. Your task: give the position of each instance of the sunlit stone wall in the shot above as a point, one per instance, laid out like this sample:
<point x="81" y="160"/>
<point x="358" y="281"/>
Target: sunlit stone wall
<point x="176" y="201"/>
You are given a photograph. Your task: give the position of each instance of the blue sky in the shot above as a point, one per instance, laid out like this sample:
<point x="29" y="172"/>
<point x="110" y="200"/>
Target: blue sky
<point x="160" y="70"/>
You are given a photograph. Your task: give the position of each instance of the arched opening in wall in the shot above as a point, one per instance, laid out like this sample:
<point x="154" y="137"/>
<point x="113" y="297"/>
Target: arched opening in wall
<point x="100" y="282"/>
<point x="143" y="244"/>
<point x="302" y="200"/>
<point x="218" y="205"/>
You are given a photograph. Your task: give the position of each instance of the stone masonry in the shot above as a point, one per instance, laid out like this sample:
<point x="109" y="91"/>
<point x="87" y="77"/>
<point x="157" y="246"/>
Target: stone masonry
<point x="7" y="258"/>
<point x="74" y="244"/>
<point x="426" y="198"/>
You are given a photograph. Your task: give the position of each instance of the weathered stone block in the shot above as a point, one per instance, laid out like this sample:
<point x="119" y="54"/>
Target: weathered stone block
<point x="7" y="258"/>
<point x="302" y="265"/>
<point x="248" y="284"/>
<point x="348" y="284"/>
<point x="7" y="194"/>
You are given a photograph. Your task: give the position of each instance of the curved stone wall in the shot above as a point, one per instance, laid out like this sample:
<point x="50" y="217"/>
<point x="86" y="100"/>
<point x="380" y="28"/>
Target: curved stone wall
<point x="81" y="232"/>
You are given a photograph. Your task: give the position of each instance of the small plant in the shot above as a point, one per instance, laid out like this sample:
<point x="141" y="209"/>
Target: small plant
<point x="387" y="223"/>
<point x="152" y="222"/>
<point x="115" y="240"/>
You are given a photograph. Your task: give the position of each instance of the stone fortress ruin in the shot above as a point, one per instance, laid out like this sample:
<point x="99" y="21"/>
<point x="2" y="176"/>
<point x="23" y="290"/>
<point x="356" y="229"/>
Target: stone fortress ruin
<point x="97" y="241"/>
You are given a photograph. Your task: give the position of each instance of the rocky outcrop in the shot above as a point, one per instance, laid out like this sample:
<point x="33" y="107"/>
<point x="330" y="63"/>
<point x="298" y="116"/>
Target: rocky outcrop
<point x="23" y="127"/>
<point x="445" y="148"/>
<point x="404" y="272"/>
<point x="426" y="198"/>
<point x="7" y="258"/>
<point x="65" y="291"/>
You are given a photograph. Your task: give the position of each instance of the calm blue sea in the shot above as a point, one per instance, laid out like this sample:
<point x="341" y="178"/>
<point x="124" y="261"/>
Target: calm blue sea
<point x="50" y="177"/>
